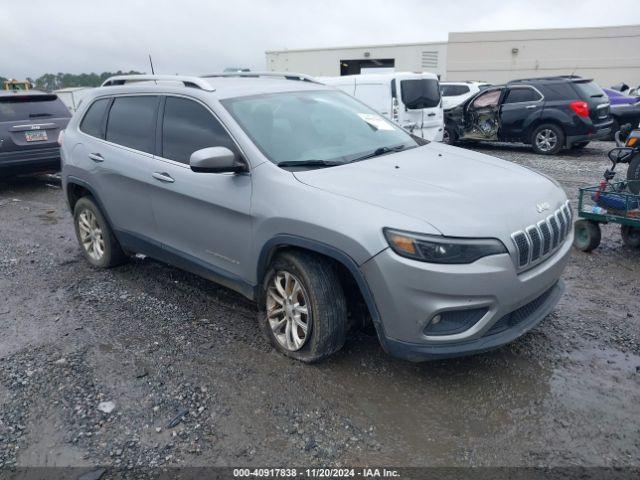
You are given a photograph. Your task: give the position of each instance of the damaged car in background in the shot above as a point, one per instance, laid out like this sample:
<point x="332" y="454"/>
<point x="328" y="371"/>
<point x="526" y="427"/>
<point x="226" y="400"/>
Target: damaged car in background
<point x="548" y="113"/>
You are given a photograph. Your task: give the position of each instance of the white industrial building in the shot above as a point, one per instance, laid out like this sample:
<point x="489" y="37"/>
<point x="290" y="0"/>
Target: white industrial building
<point x="608" y="54"/>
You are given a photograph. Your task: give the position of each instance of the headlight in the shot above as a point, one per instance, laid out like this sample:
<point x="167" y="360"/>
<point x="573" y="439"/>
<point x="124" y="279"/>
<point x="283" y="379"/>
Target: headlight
<point x="439" y="249"/>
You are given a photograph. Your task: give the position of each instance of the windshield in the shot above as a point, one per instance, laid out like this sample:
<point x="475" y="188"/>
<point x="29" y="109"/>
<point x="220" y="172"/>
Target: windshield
<point x="314" y="126"/>
<point x="25" y="107"/>
<point x="589" y="90"/>
<point x="420" y="93"/>
<point x="453" y="90"/>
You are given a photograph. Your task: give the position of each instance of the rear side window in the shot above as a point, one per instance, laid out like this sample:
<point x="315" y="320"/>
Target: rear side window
<point x="420" y="93"/>
<point x="31" y="107"/>
<point x="132" y="122"/>
<point x="93" y="121"/>
<point x="517" y="95"/>
<point x="454" y="90"/>
<point x="187" y="126"/>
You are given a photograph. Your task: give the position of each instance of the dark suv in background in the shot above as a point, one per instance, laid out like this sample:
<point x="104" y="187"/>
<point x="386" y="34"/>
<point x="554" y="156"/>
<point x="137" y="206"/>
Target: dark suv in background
<point x="547" y="113"/>
<point x="30" y="122"/>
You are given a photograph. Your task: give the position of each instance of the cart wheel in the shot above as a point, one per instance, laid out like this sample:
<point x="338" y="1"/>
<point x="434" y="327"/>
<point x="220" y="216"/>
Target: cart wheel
<point x="587" y="235"/>
<point x="630" y="236"/>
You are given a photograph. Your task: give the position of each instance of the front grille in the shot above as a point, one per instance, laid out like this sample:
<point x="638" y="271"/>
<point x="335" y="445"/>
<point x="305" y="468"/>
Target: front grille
<point x="536" y="242"/>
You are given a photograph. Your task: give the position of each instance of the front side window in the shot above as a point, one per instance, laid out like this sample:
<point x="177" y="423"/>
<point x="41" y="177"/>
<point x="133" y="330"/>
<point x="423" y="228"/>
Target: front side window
<point x="93" y="121"/>
<point x="187" y="126"/>
<point x="488" y="99"/>
<point x="420" y="93"/>
<point x="132" y="122"/>
<point x="314" y="126"/>
<point x="517" y="95"/>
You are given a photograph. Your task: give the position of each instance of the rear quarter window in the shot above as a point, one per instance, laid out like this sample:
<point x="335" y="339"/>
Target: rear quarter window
<point x="31" y="108"/>
<point x="93" y="121"/>
<point x="132" y="122"/>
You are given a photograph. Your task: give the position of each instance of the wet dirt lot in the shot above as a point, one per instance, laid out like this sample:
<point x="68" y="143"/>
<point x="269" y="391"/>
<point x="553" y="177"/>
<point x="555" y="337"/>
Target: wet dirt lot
<point x="156" y="341"/>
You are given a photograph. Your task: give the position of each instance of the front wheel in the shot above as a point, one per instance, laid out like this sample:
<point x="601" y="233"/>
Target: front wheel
<point x="547" y="139"/>
<point x="305" y="310"/>
<point x="449" y="136"/>
<point x="587" y="235"/>
<point x="630" y="236"/>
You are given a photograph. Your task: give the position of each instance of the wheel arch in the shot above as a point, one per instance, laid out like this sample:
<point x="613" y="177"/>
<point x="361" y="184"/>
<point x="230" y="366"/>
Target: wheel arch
<point x="546" y="121"/>
<point x="294" y="242"/>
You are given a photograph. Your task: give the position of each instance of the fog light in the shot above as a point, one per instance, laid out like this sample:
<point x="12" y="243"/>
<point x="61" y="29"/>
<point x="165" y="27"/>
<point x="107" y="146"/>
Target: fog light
<point x="435" y="320"/>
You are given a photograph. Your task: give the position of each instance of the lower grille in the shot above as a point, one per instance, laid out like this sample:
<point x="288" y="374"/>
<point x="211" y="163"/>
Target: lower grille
<point x="520" y="315"/>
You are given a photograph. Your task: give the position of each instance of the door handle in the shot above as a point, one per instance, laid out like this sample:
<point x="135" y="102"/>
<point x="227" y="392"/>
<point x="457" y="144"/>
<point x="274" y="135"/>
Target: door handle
<point x="531" y="106"/>
<point x="163" y="177"/>
<point x="96" y="157"/>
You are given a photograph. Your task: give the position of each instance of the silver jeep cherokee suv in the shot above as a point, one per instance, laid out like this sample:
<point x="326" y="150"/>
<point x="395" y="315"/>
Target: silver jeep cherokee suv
<point x="302" y="198"/>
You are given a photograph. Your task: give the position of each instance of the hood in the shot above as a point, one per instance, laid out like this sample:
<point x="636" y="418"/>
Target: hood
<point x="459" y="192"/>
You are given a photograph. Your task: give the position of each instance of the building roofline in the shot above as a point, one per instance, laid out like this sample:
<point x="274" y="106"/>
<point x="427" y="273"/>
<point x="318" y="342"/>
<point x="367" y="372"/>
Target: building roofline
<point x="414" y="44"/>
<point x="352" y="47"/>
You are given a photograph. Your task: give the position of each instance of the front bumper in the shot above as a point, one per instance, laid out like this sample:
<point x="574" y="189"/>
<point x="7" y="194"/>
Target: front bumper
<point x="408" y="294"/>
<point x="29" y="161"/>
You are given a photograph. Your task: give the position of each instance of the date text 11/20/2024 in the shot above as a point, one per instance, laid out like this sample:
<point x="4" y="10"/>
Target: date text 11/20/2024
<point x="316" y="472"/>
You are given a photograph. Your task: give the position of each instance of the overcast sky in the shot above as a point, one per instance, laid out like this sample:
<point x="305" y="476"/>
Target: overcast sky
<point x="200" y="36"/>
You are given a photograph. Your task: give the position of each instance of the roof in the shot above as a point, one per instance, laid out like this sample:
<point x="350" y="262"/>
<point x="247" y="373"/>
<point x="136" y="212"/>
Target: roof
<point x="219" y="85"/>
<point x="558" y="79"/>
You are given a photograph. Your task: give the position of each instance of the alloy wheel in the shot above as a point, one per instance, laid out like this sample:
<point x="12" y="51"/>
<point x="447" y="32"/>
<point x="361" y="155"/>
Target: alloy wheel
<point x="546" y="140"/>
<point x="91" y="235"/>
<point x="288" y="311"/>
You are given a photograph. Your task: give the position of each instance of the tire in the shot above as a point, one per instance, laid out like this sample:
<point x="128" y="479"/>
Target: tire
<point x="615" y="127"/>
<point x="630" y="236"/>
<point x="587" y="235"/>
<point x="579" y="145"/>
<point x="554" y="139"/>
<point x="449" y="136"/>
<point x="320" y="295"/>
<point x="97" y="242"/>
<point x="633" y="175"/>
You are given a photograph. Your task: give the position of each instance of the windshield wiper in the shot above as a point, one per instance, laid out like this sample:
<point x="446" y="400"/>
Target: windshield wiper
<point x="308" y="163"/>
<point x="381" y="151"/>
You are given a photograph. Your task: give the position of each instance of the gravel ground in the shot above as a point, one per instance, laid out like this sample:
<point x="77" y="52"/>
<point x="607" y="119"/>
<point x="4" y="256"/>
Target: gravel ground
<point x="163" y="345"/>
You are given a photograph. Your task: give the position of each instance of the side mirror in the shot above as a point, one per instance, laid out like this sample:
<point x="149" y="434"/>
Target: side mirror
<point x="216" y="160"/>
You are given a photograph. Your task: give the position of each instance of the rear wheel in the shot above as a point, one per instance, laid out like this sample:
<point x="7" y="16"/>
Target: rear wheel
<point x="630" y="236"/>
<point x="615" y="127"/>
<point x="547" y="139"/>
<point x="99" y="246"/>
<point x="587" y="235"/>
<point x="305" y="310"/>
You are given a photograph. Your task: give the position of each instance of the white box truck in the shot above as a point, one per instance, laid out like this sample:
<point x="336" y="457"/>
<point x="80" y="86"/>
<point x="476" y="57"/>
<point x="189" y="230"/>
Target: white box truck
<point x="412" y="100"/>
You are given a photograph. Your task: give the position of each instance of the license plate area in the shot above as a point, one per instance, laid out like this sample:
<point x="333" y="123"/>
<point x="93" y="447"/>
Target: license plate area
<point x="36" y="136"/>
